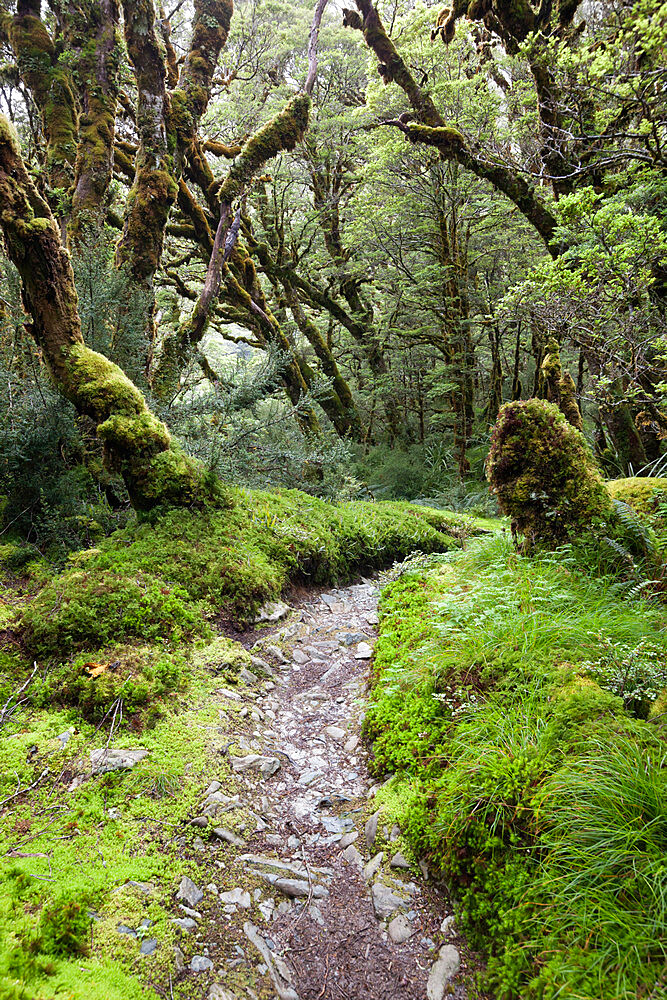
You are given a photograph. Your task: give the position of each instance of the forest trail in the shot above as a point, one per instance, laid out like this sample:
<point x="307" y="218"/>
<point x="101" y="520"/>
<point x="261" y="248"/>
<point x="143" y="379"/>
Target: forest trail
<point x="311" y="897"/>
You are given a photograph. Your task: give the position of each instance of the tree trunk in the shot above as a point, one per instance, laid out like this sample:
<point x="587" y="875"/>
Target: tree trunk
<point x="136" y="443"/>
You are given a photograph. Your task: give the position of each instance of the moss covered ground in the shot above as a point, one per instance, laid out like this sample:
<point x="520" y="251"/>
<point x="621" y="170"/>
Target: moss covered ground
<point x="520" y="705"/>
<point x="126" y="643"/>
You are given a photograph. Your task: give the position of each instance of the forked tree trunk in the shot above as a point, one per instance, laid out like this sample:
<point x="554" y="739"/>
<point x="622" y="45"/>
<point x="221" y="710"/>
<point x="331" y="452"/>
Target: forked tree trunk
<point x="136" y="443"/>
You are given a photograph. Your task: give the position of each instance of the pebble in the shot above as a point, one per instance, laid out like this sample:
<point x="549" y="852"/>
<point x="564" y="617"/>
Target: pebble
<point x="148" y="946"/>
<point x="188" y="892"/>
<point x="236" y="896"/>
<point x="186" y="924"/>
<point x="364" y="651"/>
<point x="200" y="963"/>
<point x="336" y="733"/>
<point x="352" y="856"/>
<point x="398" y="861"/>
<point x="230" y="838"/>
<point x="373" y="866"/>
<point x="399" y="929"/>
<point x="105" y="760"/>
<point x="385" y="902"/>
<point x="348" y="838"/>
<point x="442" y="971"/>
<point x="256" y="762"/>
<point x="371" y="829"/>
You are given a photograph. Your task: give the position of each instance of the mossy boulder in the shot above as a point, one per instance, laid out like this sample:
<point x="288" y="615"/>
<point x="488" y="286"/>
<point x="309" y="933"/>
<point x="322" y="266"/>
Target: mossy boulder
<point x="643" y="495"/>
<point x="543" y="474"/>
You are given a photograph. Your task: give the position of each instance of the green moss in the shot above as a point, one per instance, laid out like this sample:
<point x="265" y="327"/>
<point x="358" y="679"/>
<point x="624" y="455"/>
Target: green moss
<point x="543" y="474"/>
<point x="150" y="580"/>
<point x="443" y="137"/>
<point x="141" y="675"/>
<point x="133" y="434"/>
<point x="92" y="608"/>
<point x="557" y="385"/>
<point x="508" y="767"/>
<point x="283" y="132"/>
<point x="643" y="495"/>
<point x="223" y="656"/>
<point x="102" y="386"/>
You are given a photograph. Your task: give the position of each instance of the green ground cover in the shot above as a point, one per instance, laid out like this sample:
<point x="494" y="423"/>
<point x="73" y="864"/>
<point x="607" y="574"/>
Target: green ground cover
<point x="124" y="640"/>
<point x="520" y="704"/>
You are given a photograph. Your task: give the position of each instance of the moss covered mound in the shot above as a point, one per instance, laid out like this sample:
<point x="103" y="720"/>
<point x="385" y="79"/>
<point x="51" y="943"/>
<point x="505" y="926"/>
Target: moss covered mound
<point x="163" y="580"/>
<point x="642" y="494"/>
<point x="543" y="474"/>
<point x="528" y="765"/>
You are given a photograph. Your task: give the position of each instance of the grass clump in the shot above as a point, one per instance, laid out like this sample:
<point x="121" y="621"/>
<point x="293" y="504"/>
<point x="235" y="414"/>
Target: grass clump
<point x="514" y="700"/>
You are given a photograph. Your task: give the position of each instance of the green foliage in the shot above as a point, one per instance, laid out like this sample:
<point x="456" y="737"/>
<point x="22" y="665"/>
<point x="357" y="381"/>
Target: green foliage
<point x="86" y="608"/>
<point x="94" y="682"/>
<point x="535" y="791"/>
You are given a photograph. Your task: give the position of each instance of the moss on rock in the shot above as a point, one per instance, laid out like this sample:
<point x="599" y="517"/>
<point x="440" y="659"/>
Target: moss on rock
<point x="543" y="474"/>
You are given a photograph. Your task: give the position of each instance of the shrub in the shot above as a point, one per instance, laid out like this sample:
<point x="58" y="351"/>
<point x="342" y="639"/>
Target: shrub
<point x="543" y="474"/>
<point x="94" y="681"/>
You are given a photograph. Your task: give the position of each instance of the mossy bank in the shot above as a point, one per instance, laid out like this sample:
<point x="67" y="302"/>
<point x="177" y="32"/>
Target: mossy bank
<point x="520" y="704"/>
<point x="127" y="648"/>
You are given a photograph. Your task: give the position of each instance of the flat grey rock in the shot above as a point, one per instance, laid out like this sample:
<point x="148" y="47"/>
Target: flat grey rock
<point x="278" y="969"/>
<point x="371" y="829"/>
<point x="398" y="861"/>
<point x="201" y="963"/>
<point x="148" y="946"/>
<point x="222" y="833"/>
<point x="352" y="856"/>
<point x="363" y="651"/>
<point x="236" y="896"/>
<point x="272" y="611"/>
<point x="188" y="892"/>
<point x="400" y="929"/>
<point x="385" y="902"/>
<point x="186" y="924"/>
<point x="105" y="760"/>
<point x="336" y="733"/>
<point x="347" y="839"/>
<point x="442" y="972"/>
<point x="256" y="762"/>
<point x="296" y="888"/>
<point x="373" y="866"/>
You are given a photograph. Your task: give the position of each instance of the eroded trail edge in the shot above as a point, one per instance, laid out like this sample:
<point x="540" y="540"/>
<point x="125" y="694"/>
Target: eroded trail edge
<point x="304" y="890"/>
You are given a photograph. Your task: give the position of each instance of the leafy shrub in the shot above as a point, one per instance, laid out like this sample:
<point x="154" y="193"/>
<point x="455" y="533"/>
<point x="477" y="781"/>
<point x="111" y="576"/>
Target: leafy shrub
<point x="94" y="681"/>
<point x="487" y="704"/>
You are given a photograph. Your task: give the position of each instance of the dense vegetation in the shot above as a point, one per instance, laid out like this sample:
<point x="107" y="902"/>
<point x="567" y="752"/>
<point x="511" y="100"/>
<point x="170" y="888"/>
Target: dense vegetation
<point x="291" y="292"/>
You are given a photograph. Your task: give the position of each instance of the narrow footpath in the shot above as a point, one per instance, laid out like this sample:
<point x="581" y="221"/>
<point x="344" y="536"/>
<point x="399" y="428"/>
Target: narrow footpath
<point x="312" y="896"/>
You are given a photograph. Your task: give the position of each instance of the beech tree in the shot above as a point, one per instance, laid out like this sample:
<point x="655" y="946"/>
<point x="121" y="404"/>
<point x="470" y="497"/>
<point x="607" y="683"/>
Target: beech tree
<point x="68" y="57"/>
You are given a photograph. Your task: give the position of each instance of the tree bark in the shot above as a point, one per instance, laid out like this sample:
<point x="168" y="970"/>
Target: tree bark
<point x="136" y="443"/>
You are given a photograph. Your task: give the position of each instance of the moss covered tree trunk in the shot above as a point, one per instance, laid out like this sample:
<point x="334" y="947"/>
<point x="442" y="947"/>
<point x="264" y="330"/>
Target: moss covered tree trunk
<point x="136" y="443"/>
<point x="96" y="42"/>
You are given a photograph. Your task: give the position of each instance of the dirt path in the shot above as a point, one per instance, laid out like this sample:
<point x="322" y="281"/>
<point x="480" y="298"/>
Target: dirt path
<point x="313" y="897"/>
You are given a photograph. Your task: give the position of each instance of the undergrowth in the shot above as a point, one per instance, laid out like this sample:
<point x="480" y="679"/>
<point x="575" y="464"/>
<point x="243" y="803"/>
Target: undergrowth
<point x="519" y="703"/>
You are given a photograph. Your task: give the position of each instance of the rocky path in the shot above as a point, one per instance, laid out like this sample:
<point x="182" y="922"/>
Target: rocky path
<point x="311" y="895"/>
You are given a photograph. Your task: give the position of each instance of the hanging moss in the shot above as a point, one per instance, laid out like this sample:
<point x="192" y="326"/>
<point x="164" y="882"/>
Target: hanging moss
<point x="543" y="474"/>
